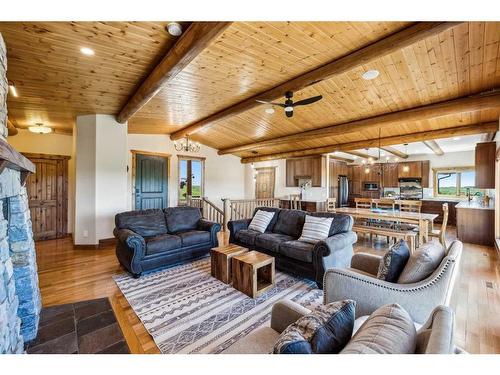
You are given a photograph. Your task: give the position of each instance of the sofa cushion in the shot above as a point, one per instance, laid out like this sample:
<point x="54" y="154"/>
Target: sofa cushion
<point x="290" y="222"/>
<point x="275" y="210"/>
<point x="194" y="237"/>
<point x="422" y="263"/>
<point x="393" y="262"/>
<point x="271" y="241"/>
<point x="146" y="223"/>
<point x="341" y="223"/>
<point x="247" y="236"/>
<point x="297" y="250"/>
<point x="260" y="341"/>
<point x="261" y="221"/>
<point x="388" y="330"/>
<point x="315" y="229"/>
<point x="327" y="329"/>
<point x="162" y="243"/>
<point x="181" y="219"/>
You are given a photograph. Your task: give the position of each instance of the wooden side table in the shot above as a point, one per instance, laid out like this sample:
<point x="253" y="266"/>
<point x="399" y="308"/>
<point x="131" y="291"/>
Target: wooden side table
<point x="220" y="259"/>
<point x="253" y="273"/>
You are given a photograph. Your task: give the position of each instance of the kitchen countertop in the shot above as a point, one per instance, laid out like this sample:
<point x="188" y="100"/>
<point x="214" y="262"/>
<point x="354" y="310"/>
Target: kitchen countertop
<point x="442" y="199"/>
<point x="305" y="200"/>
<point x="475" y="205"/>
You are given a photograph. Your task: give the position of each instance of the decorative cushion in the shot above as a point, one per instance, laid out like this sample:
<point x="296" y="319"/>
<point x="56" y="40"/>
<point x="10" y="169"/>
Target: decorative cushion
<point x="260" y="221"/>
<point x="422" y="263"/>
<point x="325" y="330"/>
<point x="290" y="222"/>
<point x="247" y="236"/>
<point x="393" y="262"/>
<point x="297" y="250"/>
<point x="341" y="223"/>
<point x="162" y="243"/>
<point x="271" y="241"/>
<point x="315" y="229"/>
<point x="389" y="330"/>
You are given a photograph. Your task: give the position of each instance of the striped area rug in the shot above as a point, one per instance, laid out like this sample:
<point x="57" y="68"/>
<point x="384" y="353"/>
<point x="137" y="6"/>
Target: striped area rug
<point x="188" y="311"/>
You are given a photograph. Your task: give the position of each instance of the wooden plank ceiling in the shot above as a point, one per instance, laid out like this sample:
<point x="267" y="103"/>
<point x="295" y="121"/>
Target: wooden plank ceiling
<point x="56" y="82"/>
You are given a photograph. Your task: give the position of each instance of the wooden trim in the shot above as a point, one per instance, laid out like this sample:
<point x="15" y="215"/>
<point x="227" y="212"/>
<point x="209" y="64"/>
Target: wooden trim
<point x="340" y="158"/>
<point x="395" y="152"/>
<point x="134" y="168"/>
<point x="14" y="159"/>
<point x="190" y="157"/>
<point x="435" y="171"/>
<point x="107" y="242"/>
<point x="364" y="55"/>
<point x="434" y="147"/>
<point x="30" y="155"/>
<point x="187" y="157"/>
<point x="192" y="42"/>
<point x="395" y="140"/>
<point x="449" y="107"/>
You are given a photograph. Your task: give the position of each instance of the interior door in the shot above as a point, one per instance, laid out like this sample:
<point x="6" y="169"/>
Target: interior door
<point x="47" y="196"/>
<point x="264" y="183"/>
<point x="151" y="182"/>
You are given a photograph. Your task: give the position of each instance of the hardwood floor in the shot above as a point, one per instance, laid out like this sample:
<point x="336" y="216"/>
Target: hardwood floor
<point x="68" y="275"/>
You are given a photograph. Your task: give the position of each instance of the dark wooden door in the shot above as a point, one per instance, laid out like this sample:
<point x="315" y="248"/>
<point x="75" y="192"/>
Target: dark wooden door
<point x="151" y="182"/>
<point x="48" y="196"/>
<point x="264" y="183"/>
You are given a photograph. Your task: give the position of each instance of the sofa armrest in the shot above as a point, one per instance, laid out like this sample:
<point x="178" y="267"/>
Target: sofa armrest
<point x="129" y="238"/>
<point x="286" y="312"/>
<point x="366" y="262"/>
<point x="212" y="227"/>
<point x="336" y="242"/>
<point x="236" y="225"/>
<point x="370" y="293"/>
<point x="438" y="330"/>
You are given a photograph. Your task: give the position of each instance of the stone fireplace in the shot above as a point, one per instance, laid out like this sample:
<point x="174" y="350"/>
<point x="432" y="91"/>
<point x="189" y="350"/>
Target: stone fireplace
<point x="20" y="301"/>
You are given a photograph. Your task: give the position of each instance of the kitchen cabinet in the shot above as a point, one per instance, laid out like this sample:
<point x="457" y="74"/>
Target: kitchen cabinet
<point x="434" y="206"/>
<point x="485" y="165"/>
<point x="390" y="175"/>
<point x="310" y="167"/>
<point x="412" y="169"/>
<point x="476" y="223"/>
<point x="425" y="173"/>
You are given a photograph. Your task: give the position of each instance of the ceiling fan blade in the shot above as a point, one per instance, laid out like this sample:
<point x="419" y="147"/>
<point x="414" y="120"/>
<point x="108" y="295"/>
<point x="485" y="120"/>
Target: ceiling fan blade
<point x="308" y="100"/>
<point x="271" y="103"/>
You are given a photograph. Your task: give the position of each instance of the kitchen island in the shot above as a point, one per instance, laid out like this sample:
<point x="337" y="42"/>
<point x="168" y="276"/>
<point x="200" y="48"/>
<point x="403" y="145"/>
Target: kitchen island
<point x="476" y="223"/>
<point x="309" y="205"/>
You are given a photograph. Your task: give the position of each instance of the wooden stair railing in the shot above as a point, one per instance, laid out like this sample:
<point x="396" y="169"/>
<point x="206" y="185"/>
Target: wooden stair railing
<point x="209" y="210"/>
<point x="236" y="209"/>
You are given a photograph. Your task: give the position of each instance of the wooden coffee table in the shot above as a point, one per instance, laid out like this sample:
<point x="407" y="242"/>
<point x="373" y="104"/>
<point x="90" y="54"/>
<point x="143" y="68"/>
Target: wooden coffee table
<point x="220" y="259"/>
<point x="253" y="273"/>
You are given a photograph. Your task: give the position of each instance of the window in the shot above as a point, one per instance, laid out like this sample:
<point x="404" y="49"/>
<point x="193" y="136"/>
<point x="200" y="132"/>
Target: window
<point x="191" y="177"/>
<point x="455" y="182"/>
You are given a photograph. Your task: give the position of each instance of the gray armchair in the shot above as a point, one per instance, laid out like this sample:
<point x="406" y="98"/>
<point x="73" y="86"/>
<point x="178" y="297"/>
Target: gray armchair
<point x="359" y="283"/>
<point x="434" y="337"/>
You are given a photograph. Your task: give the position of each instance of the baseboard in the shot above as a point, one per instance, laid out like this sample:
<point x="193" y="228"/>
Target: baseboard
<point x="85" y="247"/>
<point x="497" y="245"/>
<point x="105" y="242"/>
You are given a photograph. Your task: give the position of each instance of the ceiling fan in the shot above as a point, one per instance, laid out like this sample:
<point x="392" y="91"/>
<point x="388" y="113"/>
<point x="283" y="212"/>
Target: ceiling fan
<point x="289" y="104"/>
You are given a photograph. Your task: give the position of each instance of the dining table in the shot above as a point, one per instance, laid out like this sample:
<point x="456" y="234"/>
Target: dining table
<point x="424" y="221"/>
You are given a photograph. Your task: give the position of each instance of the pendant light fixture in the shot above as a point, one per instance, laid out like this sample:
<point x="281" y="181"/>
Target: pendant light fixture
<point x="406" y="167"/>
<point x="186" y="145"/>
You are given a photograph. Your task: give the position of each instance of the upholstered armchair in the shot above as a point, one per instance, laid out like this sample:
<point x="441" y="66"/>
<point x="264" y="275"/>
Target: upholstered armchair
<point x="420" y="298"/>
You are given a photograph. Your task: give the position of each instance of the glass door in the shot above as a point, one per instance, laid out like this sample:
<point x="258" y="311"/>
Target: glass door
<point x="190" y="179"/>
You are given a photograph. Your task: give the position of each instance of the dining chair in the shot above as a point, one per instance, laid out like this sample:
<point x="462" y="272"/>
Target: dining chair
<point x="384" y="204"/>
<point x="441" y="233"/>
<point x="409" y="206"/>
<point x="363" y="202"/>
<point x="330" y="204"/>
<point x="295" y="202"/>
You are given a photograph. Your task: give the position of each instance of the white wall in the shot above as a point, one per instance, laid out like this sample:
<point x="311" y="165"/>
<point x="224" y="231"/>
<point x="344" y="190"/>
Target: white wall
<point x="52" y="144"/>
<point x="224" y="175"/>
<point x="280" y="189"/>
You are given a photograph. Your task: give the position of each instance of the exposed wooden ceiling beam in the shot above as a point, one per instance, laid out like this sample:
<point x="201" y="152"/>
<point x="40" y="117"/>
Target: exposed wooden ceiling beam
<point x="432" y="144"/>
<point x="340" y="158"/>
<point x="12" y="130"/>
<point x="192" y="42"/>
<point x="395" y="152"/>
<point x="435" y="110"/>
<point x="361" y="155"/>
<point x="380" y="48"/>
<point x="387" y="141"/>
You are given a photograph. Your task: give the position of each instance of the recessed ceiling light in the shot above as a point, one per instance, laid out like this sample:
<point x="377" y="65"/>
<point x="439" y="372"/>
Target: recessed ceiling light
<point x="40" y="128"/>
<point x="13" y="90"/>
<point x="456" y="138"/>
<point x="370" y="74"/>
<point x="174" y="29"/>
<point x="87" y="51"/>
<point x="269" y="110"/>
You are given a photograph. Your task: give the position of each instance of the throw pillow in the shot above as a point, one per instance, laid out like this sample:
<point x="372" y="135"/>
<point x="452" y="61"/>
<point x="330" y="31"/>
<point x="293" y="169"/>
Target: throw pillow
<point x="261" y="221"/>
<point x="422" y="263"/>
<point x="389" y="330"/>
<point x="315" y="229"/>
<point x="325" y="330"/>
<point x="393" y="262"/>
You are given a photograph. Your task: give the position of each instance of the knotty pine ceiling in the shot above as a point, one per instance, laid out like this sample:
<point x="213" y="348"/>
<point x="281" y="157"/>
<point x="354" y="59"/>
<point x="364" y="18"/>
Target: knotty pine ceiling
<point x="56" y="82"/>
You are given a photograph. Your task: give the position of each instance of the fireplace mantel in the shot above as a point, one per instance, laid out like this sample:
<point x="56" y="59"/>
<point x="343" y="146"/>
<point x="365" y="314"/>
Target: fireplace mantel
<point x="10" y="158"/>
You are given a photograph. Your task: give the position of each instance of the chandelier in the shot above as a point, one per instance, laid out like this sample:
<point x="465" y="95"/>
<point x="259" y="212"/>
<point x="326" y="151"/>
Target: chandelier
<point x="186" y="145"/>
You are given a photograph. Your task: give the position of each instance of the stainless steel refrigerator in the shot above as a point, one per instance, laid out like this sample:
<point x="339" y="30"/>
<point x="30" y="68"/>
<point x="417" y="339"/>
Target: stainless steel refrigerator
<point x="343" y="193"/>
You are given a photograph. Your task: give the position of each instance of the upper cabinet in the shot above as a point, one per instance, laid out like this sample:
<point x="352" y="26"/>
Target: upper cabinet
<point x="485" y="165"/>
<point x="412" y="169"/>
<point x="426" y="170"/>
<point x="390" y="173"/>
<point x="304" y="168"/>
